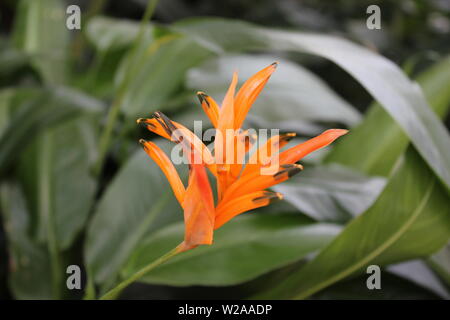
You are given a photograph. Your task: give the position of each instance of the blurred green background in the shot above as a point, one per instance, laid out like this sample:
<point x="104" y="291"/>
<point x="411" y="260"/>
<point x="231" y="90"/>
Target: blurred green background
<point x="76" y="188"/>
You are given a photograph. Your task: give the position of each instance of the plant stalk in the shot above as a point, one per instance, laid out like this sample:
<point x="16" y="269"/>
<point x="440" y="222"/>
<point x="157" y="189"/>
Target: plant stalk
<point x="113" y="293"/>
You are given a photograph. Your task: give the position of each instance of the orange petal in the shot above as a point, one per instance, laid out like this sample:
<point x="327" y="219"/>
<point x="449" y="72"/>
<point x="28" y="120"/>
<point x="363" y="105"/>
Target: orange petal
<point x="265" y="152"/>
<point x="243" y="204"/>
<point x="249" y="92"/>
<point x="256" y="182"/>
<point x="174" y="131"/>
<point x="167" y="168"/>
<point x="210" y="107"/>
<point x="154" y="126"/>
<point x="222" y="181"/>
<point x="296" y="153"/>
<point x="226" y="121"/>
<point x="198" y="205"/>
<point x="224" y="142"/>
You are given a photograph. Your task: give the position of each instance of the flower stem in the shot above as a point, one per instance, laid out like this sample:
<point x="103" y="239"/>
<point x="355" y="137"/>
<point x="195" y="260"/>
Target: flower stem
<point x="113" y="113"/>
<point x="113" y="293"/>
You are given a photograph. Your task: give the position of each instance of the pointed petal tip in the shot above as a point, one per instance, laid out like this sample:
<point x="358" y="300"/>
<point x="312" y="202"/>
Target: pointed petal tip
<point x="275" y="196"/>
<point x="235" y="76"/>
<point x="143" y="143"/>
<point x="292" y="166"/>
<point x="275" y="64"/>
<point x="288" y="136"/>
<point x="203" y="97"/>
<point x="294" y="170"/>
<point x="269" y="196"/>
<point x="288" y="170"/>
<point x="157" y="114"/>
<point x="165" y="122"/>
<point x="146" y="123"/>
<point x="337" y="132"/>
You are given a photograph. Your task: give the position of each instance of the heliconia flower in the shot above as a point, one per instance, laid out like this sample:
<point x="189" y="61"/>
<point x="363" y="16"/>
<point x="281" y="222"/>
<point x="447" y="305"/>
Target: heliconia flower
<point x="240" y="187"/>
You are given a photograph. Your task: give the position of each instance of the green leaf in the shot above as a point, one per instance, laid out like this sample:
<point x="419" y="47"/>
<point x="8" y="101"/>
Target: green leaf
<point x="393" y="288"/>
<point x="399" y="96"/>
<point x="138" y="201"/>
<point x="377" y="142"/>
<point x="41" y="32"/>
<point x="55" y="172"/>
<point x="36" y="110"/>
<point x="12" y="61"/>
<point x="243" y="249"/>
<point x="5" y="107"/>
<point x="29" y="268"/>
<point x="108" y="34"/>
<point x="396" y="228"/>
<point x="162" y="66"/>
<point x="292" y="92"/>
<point x="331" y="193"/>
<point x="113" y="39"/>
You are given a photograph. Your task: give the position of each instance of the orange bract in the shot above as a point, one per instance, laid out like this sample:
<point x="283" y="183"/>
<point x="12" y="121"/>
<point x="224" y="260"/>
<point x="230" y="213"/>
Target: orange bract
<point x="240" y="188"/>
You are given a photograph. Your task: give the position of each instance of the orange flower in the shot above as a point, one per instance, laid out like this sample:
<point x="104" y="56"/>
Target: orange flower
<point x="240" y="188"/>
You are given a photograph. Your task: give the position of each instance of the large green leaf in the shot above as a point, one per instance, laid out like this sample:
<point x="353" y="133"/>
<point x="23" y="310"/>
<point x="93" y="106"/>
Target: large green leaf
<point x="113" y="34"/>
<point x="292" y="91"/>
<point x="36" y="110"/>
<point x="138" y="201"/>
<point x="409" y="220"/>
<point x="331" y="193"/>
<point x="113" y="39"/>
<point x="158" y="73"/>
<point x="41" y="32"/>
<point x="377" y="142"/>
<point x="243" y="249"/>
<point x="399" y="96"/>
<point x="5" y="107"/>
<point x="29" y="267"/>
<point x="12" y="62"/>
<point x="55" y="171"/>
